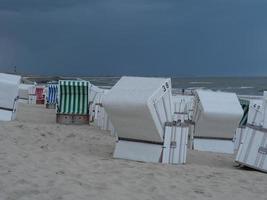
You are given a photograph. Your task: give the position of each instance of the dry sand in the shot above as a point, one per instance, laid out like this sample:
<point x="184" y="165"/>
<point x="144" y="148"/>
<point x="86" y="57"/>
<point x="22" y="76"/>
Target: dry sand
<point x="40" y="159"/>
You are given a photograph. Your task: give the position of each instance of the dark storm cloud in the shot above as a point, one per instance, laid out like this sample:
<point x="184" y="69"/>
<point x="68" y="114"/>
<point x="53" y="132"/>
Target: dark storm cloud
<point x="37" y="5"/>
<point x="141" y="37"/>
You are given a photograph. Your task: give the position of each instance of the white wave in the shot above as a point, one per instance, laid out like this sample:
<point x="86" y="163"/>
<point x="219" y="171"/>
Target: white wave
<point x="200" y="82"/>
<point x="246" y="87"/>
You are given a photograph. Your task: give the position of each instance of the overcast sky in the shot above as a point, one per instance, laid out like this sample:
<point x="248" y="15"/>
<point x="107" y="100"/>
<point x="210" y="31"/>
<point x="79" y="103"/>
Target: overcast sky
<point x="134" y="37"/>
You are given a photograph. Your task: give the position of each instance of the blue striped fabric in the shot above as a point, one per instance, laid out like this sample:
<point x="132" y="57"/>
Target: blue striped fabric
<point x="52" y="94"/>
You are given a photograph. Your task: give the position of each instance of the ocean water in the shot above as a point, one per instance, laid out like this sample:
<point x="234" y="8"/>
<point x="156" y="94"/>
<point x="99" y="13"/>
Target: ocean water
<point x="242" y="86"/>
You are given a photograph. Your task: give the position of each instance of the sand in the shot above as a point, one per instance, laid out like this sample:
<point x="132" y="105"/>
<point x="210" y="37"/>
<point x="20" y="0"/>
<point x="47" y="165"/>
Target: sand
<point x="40" y="159"/>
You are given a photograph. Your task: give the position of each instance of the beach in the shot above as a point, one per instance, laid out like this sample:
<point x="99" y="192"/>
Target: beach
<point x="40" y="159"/>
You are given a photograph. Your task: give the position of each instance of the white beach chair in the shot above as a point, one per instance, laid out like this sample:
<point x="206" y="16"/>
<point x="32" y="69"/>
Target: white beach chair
<point x="216" y="116"/>
<point x="139" y="108"/>
<point x="252" y="151"/>
<point x="32" y="94"/>
<point x="97" y="112"/>
<point x="94" y="93"/>
<point x="9" y="95"/>
<point x="23" y="92"/>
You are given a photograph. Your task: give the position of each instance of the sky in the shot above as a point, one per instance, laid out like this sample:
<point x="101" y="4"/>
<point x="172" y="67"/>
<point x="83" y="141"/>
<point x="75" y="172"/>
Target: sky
<point x="134" y="37"/>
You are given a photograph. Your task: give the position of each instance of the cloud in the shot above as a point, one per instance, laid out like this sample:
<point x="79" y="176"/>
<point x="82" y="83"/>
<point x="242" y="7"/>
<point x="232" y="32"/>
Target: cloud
<point x="134" y="37"/>
<point x="11" y="53"/>
<point x="38" y="5"/>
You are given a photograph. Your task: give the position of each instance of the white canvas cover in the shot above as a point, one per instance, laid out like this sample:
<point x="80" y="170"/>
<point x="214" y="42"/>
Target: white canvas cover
<point x="97" y="112"/>
<point x="23" y="91"/>
<point x="214" y="145"/>
<point x="139" y="107"/>
<point x="9" y="91"/>
<point x="10" y="78"/>
<point x="172" y="151"/>
<point x="102" y="120"/>
<point x="93" y="91"/>
<point x="217" y="114"/>
<point x="143" y="152"/>
<point x="7" y="115"/>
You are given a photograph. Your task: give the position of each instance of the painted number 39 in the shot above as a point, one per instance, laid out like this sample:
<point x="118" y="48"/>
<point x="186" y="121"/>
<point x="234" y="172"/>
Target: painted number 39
<point x="165" y="87"/>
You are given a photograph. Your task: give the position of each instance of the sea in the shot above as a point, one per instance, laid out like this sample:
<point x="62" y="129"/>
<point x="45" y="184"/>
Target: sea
<point x="239" y="85"/>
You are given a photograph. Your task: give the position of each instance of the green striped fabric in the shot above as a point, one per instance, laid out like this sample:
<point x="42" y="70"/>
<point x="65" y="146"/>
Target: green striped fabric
<point x="245" y="105"/>
<point x="73" y="97"/>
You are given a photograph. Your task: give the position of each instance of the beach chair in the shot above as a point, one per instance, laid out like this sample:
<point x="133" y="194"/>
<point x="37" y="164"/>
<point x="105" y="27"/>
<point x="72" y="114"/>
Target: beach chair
<point x="23" y="92"/>
<point x="141" y="110"/>
<point x="9" y="96"/>
<point x="216" y="117"/>
<point x="40" y="94"/>
<point x="51" y="96"/>
<point x="97" y="113"/>
<point x="72" y="105"/>
<point x="94" y="95"/>
<point x="32" y="94"/>
<point x="252" y="151"/>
